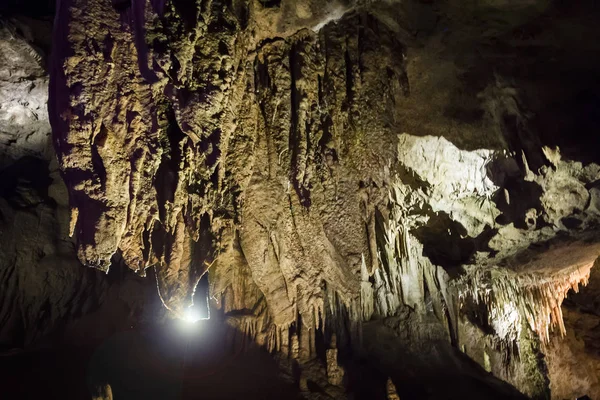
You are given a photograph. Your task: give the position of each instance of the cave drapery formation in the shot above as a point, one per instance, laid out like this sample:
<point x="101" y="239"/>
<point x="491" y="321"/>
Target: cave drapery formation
<point x="339" y="168"/>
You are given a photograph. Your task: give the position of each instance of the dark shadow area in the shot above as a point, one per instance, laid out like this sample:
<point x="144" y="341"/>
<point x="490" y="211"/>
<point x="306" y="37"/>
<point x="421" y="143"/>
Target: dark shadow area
<point x="446" y="242"/>
<point x="166" y="178"/>
<point x="270" y="3"/>
<point x="25" y="183"/>
<point x="433" y="371"/>
<point x="515" y="196"/>
<point x="525" y="196"/>
<point x="177" y="360"/>
<point x="32" y="8"/>
<point x="579" y="115"/>
<point x="200" y="308"/>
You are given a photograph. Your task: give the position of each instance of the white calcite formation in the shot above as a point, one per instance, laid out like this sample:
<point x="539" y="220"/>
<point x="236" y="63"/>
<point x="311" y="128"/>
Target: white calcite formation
<point x="24" y="124"/>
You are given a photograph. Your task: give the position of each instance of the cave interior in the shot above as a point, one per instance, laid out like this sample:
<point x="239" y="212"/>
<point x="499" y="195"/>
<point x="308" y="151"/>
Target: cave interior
<point x="299" y="199"/>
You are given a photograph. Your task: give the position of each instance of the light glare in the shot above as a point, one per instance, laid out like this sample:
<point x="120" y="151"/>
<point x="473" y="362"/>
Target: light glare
<point x="192" y="315"/>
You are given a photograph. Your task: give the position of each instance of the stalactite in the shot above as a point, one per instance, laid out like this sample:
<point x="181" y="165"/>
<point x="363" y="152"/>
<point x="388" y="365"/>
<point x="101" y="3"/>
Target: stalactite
<point x="510" y="296"/>
<point x="278" y="145"/>
<point x="403" y="271"/>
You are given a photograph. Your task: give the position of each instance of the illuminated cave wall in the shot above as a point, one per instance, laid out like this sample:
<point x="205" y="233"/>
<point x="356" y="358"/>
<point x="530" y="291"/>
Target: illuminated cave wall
<point x="45" y="293"/>
<point x="334" y="164"/>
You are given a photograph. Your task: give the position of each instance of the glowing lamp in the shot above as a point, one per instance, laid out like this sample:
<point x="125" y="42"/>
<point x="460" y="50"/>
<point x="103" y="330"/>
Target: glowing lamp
<point x="193" y="314"/>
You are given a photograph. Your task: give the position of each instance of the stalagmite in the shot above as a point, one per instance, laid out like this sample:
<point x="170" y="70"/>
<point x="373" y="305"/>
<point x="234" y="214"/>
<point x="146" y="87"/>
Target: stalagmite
<point x="392" y="394"/>
<point x="335" y="372"/>
<point x="295" y="347"/>
<point x="366" y="292"/>
<point x="102" y="392"/>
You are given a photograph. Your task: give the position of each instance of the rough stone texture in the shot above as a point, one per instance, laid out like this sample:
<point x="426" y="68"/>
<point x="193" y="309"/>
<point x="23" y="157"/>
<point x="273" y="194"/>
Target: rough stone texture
<point x="45" y="294"/>
<point x="391" y="390"/>
<point x="335" y="373"/>
<point x="573" y="367"/>
<point x="103" y="392"/>
<point x="424" y="166"/>
<point x="43" y="285"/>
<point x="24" y="125"/>
<point x="45" y="291"/>
<point x="574" y="361"/>
<point x="220" y="166"/>
<point x="35" y="244"/>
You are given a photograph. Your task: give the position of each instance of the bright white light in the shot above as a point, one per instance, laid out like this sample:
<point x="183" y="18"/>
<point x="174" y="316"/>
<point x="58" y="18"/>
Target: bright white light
<point x="192" y="315"/>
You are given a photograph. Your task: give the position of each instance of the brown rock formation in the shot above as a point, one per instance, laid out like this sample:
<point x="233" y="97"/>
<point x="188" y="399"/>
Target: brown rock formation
<point x="45" y="293"/>
<point x="392" y="394"/>
<point x="397" y="175"/>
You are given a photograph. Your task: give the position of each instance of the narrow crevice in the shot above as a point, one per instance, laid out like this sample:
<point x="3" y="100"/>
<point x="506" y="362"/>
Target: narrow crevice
<point x="270" y="3"/>
<point x="296" y="62"/>
<point x="99" y="169"/>
<point x="167" y="178"/>
<point x="349" y="77"/>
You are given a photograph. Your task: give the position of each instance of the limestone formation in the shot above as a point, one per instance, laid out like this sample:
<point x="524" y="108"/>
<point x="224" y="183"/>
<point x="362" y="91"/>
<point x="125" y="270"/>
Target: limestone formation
<point x="24" y="127"/>
<point x="278" y="138"/>
<point x="335" y="373"/>
<point x="353" y="175"/>
<point x="391" y="390"/>
<point x="103" y="392"/>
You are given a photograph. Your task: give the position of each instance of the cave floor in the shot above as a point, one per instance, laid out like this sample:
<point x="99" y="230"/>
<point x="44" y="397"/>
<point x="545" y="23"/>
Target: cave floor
<point x="182" y="362"/>
<point x="437" y="370"/>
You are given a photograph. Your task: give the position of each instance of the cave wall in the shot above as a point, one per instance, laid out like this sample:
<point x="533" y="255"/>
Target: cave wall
<point x="318" y="158"/>
<point x="329" y="164"/>
<point x="47" y="297"/>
